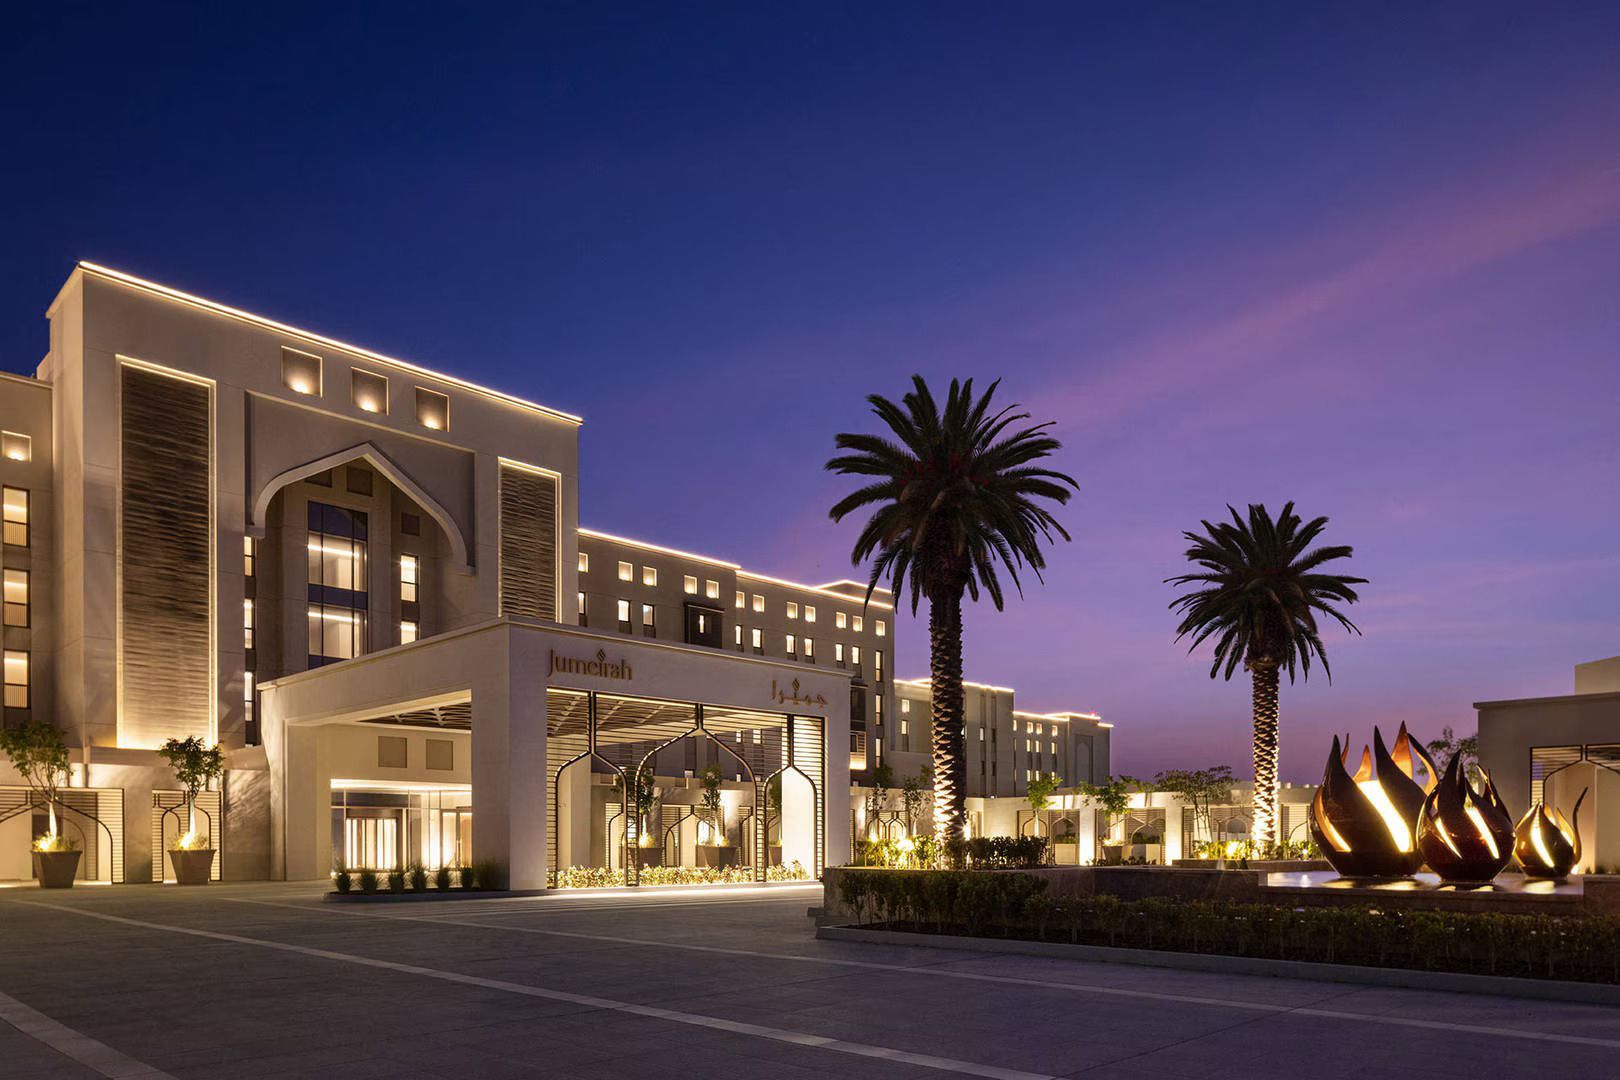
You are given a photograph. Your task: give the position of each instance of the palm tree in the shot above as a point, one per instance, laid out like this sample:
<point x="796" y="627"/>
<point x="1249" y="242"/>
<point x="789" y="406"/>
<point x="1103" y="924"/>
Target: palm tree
<point x="1258" y="593"/>
<point x="953" y="494"/>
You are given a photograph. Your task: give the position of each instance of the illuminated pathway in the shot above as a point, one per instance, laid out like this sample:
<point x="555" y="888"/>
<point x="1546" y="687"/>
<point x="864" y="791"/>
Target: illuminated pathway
<point x="269" y="981"/>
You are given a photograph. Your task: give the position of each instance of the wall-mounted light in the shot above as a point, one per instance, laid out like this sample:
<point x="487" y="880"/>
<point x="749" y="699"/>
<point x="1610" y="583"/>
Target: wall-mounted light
<point x="301" y="372"/>
<point x="16" y="447"/>
<point x="368" y="390"/>
<point x="432" y="409"/>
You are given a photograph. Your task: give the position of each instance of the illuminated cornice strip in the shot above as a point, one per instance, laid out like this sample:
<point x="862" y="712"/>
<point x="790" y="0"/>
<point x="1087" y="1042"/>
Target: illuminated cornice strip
<point x="815" y="589"/>
<point x="926" y="681"/>
<point x="309" y="335"/>
<point x="597" y="534"/>
<point x="861" y="585"/>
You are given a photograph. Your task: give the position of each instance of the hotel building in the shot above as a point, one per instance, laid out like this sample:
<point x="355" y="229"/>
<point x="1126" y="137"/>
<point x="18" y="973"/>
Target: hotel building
<point x="366" y="581"/>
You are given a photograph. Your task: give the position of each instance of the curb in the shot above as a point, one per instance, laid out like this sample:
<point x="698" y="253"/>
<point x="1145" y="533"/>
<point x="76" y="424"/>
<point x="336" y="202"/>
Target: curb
<point x="1446" y="981"/>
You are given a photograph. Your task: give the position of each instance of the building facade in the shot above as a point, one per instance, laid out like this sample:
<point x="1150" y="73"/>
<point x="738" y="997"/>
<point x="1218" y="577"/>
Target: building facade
<point x="366" y="582"/>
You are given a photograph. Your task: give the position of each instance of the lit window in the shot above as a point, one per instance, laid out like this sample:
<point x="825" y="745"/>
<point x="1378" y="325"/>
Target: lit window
<point x="247" y="556"/>
<point x="856" y="622"/>
<point x="739" y="630"/>
<point x="742" y="599"/>
<point x="855" y="655"/>
<point x="407" y="578"/>
<point x="882" y="628"/>
<point x="300" y="372"/>
<point x="432" y="410"/>
<point x="368" y="391"/>
<point x="809" y="613"/>
<point x="838" y="653"/>
<point x="247" y="624"/>
<point x="647" y="618"/>
<point x="791" y="643"/>
<point x="627" y="572"/>
<point x="649" y="575"/>
<point x="581" y="608"/>
<point x="840" y="620"/>
<point x="16" y="679"/>
<point x="759" y="602"/>
<point x="905" y="705"/>
<point x="809" y="650"/>
<point x="407" y="632"/>
<point x="711" y="589"/>
<point x="757" y="637"/>
<point x="624" y="614"/>
<point x="16" y="516"/>
<point x="877" y="664"/>
<point x="16" y="447"/>
<point x="584" y="563"/>
<point x="16" y="597"/>
<point x="336" y="583"/>
<point x="792" y="610"/>
<point x="689" y="585"/>
<point x="247" y="692"/>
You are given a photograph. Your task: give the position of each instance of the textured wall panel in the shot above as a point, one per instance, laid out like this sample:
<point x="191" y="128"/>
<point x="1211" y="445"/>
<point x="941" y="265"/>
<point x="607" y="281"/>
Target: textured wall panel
<point x="528" y="544"/>
<point x="165" y="511"/>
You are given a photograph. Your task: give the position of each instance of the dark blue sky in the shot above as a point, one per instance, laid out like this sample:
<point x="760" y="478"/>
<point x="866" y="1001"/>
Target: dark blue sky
<point x="1363" y="256"/>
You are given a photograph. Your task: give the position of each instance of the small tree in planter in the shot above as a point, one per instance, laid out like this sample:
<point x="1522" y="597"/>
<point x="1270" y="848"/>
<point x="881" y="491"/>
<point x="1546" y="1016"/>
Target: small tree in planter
<point x="37" y="751"/>
<point x="1038" y="793"/>
<point x="195" y="765"/>
<point x="1114" y="797"/>
<point x="718" y="851"/>
<point x="915" y="793"/>
<point x="635" y="786"/>
<point x="877" y="798"/>
<point x="1200" y="789"/>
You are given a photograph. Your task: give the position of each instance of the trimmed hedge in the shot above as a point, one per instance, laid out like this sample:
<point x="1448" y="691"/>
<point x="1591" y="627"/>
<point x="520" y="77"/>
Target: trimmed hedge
<point x="1583" y="948"/>
<point x="980" y="853"/>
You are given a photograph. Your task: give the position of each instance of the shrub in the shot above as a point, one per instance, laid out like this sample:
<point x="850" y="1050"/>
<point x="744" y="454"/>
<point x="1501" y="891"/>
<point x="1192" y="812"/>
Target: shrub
<point x="418" y="876"/>
<point x="468" y="877"/>
<point x="441" y="878"/>
<point x="368" y="881"/>
<point x="396" y="880"/>
<point x="341" y="880"/>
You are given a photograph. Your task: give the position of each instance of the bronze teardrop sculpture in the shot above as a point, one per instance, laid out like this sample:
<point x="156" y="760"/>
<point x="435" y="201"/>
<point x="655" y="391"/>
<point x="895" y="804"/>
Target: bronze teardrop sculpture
<point x="1548" y="846"/>
<point x="1365" y="825"/>
<point x="1466" y="835"/>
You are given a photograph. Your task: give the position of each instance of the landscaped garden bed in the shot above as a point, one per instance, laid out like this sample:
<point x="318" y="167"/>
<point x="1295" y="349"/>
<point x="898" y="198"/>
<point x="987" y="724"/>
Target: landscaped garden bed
<point x="417" y="882"/>
<point x="600" y="877"/>
<point x="1584" y="948"/>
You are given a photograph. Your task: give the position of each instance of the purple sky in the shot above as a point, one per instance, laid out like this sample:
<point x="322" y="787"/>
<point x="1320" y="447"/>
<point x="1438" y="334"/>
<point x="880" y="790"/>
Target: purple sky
<point x="1365" y="259"/>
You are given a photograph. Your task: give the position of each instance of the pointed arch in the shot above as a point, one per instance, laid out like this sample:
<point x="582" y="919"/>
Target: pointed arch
<point x="382" y="463"/>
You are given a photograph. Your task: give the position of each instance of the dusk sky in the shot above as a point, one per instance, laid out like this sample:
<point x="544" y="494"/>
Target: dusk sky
<point x="1362" y="256"/>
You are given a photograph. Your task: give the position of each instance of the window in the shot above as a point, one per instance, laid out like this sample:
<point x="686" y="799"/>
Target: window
<point x="584" y="563"/>
<point x="838" y="653"/>
<point x="809" y="613"/>
<point x="357" y="480"/>
<point x="757" y="637"/>
<point x="581" y="609"/>
<point x="702" y="626"/>
<point x="16" y="447"/>
<point x="689" y="585"/>
<point x="247" y="694"/>
<point x="905" y="721"/>
<point x="742" y="599"/>
<point x="441" y="755"/>
<point x="368" y="391"/>
<point x="16" y="592"/>
<point x="407" y="631"/>
<point x="16" y="679"/>
<point x="840" y="620"/>
<point x="905" y="705"/>
<point x="856" y="622"/>
<point x="739" y="635"/>
<point x="626" y="572"/>
<point x="336" y="583"/>
<point x="624" y="616"/>
<point x="301" y="372"/>
<point x="877" y="664"/>
<point x="711" y="589"/>
<point x="809" y="650"/>
<point x="432" y="410"/>
<point x="882" y="628"/>
<point x="792" y="610"/>
<point x="647" y="620"/>
<point x="247" y="624"/>
<point x="16" y="516"/>
<point x="247" y="556"/>
<point x="393" y="751"/>
<point x="759" y="602"/>
<point x="410" y="524"/>
<point x="407" y="578"/>
<point x="792" y="645"/>
<point x="649" y="575"/>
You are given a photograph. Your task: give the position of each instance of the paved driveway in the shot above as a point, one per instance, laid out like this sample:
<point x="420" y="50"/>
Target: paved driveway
<point x="267" y="980"/>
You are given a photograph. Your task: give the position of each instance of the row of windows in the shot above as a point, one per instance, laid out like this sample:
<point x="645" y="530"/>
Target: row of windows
<point x="302" y="373"/>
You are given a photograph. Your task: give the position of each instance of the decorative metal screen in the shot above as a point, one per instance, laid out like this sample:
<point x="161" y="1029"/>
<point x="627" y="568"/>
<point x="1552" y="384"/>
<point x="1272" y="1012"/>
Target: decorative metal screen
<point x="165" y="544"/>
<point x="169" y="823"/>
<point x="528" y="544"/>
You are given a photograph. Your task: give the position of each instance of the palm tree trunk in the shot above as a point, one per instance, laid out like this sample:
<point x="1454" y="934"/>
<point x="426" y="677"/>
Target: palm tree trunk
<point x="945" y="671"/>
<point x="1265" y="677"/>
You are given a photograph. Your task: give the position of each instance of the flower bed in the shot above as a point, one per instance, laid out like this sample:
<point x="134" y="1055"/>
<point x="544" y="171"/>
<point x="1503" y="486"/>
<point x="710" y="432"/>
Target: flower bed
<point x="1583" y="948"/>
<point x="600" y="877"/>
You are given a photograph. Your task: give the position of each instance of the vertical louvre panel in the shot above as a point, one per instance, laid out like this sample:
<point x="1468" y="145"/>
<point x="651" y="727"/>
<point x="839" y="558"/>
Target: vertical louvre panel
<point x="165" y="518"/>
<point x="528" y="544"/>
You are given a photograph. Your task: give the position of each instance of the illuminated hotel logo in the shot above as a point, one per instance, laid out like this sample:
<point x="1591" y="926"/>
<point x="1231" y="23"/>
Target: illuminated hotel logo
<point x="598" y="668"/>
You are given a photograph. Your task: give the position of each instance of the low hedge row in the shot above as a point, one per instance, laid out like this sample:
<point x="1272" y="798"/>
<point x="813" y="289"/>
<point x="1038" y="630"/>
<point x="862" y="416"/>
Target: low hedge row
<point x="1584" y="948"/>
<point x="979" y="853"/>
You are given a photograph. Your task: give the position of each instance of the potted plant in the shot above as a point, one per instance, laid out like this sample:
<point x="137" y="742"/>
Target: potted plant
<point x="915" y="792"/>
<point x="715" y="850"/>
<point x="1115" y="799"/>
<point x="195" y="764"/>
<point x="37" y="751"/>
<point x="773" y="797"/>
<point x="635" y="787"/>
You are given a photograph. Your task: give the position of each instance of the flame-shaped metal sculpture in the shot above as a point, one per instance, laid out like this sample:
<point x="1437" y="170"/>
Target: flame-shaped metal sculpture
<point x="1548" y="847"/>
<point x="1366" y="824"/>
<point x="1465" y="834"/>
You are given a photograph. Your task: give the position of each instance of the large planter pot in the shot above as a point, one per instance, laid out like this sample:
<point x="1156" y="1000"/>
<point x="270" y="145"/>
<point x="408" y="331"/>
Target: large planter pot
<point x="56" y="869"/>
<point x="715" y="855"/>
<point x="1113" y="853"/>
<point x="650" y="856"/>
<point x="191" y="867"/>
<point x="1066" y="854"/>
<point x="773" y="854"/>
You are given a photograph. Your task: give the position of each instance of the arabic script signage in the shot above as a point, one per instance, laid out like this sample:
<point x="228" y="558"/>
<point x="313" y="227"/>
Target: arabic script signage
<point x="792" y="696"/>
